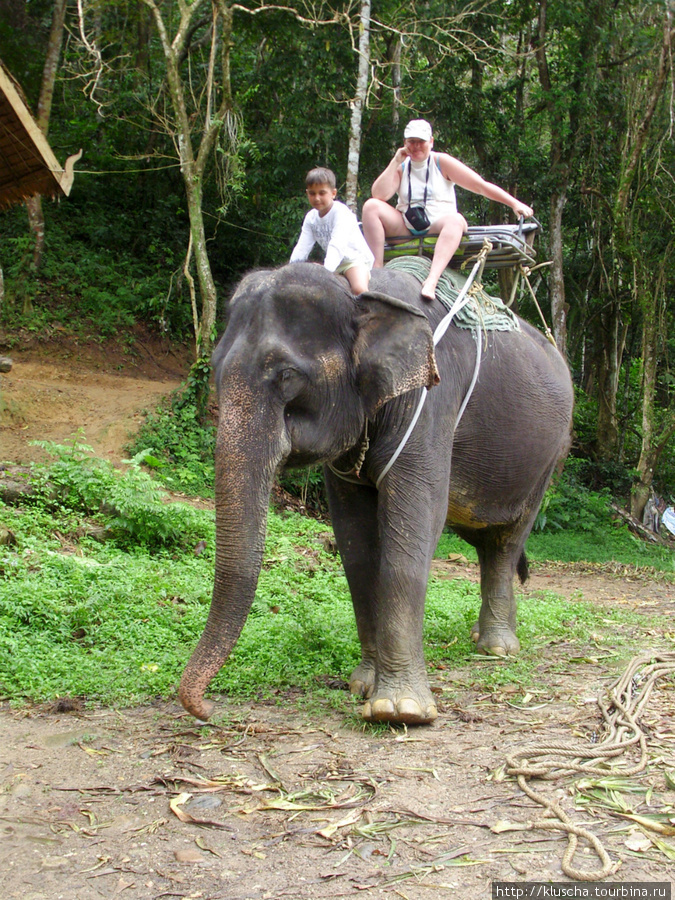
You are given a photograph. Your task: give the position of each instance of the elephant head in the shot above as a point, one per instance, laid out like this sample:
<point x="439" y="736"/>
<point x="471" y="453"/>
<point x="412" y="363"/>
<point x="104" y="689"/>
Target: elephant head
<point x="300" y="368"/>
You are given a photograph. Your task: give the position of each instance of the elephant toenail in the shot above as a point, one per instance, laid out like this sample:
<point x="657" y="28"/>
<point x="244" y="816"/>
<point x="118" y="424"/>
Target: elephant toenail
<point x="383" y="710"/>
<point x="410" y="708"/>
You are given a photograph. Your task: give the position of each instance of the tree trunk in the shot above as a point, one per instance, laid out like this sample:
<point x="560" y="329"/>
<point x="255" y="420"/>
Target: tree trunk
<point x="357" y="107"/>
<point x="559" y="306"/>
<point x="610" y="343"/>
<point x="645" y="467"/>
<point x="653" y="442"/>
<point x="560" y="159"/>
<point x="193" y="165"/>
<point x="207" y="287"/>
<point x="36" y="222"/>
<point x="396" y="85"/>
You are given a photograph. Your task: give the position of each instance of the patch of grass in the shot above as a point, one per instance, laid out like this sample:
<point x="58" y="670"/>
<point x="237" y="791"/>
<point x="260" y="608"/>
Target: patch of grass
<point x="615" y="543"/>
<point x="116" y="622"/>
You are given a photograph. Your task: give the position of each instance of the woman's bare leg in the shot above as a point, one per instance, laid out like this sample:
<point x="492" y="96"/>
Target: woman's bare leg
<point x="380" y="220"/>
<point x="450" y="230"/>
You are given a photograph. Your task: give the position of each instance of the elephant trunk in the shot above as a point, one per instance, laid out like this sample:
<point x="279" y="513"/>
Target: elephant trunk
<point x="244" y="477"/>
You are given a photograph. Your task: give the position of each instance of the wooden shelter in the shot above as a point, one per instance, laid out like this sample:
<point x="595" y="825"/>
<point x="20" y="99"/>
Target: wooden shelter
<point x="27" y="164"/>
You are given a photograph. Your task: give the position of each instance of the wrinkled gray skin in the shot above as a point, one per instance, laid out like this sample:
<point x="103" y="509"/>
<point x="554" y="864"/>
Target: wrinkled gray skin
<point x="300" y="367"/>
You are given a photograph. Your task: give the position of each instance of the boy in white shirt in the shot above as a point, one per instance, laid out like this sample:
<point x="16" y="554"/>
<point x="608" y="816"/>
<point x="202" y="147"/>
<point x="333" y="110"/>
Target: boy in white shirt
<point x="334" y="227"/>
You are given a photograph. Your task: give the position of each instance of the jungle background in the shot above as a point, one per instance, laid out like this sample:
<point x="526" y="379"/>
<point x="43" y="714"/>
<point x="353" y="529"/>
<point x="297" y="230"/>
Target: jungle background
<point x="198" y="122"/>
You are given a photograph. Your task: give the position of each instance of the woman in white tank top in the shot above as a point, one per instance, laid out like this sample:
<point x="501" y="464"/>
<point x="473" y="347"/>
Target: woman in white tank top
<point x="425" y="184"/>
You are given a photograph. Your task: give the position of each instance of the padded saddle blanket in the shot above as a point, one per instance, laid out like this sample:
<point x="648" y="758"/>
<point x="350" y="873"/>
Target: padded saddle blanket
<point x="481" y="312"/>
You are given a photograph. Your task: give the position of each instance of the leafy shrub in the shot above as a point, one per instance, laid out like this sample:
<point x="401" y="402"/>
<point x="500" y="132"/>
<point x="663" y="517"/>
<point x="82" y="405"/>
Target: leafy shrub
<point x="308" y="486"/>
<point x="179" y="447"/>
<point x="585" y="418"/>
<point x="569" y="504"/>
<point x="133" y="503"/>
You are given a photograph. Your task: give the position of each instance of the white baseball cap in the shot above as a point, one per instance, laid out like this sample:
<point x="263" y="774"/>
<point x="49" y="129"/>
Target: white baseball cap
<point x="418" y="128"/>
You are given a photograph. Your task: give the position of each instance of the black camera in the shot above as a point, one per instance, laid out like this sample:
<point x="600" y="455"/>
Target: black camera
<point x="417" y="218"/>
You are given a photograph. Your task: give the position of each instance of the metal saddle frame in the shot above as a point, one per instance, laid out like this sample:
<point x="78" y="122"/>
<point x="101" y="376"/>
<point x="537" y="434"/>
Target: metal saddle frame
<point x="512" y="245"/>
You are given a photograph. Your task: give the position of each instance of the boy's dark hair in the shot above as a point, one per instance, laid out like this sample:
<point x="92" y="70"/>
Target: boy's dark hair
<point x="320" y="175"/>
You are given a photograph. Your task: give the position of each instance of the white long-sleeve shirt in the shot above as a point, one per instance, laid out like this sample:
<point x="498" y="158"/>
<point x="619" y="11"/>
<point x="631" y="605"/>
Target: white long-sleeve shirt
<point x="339" y="235"/>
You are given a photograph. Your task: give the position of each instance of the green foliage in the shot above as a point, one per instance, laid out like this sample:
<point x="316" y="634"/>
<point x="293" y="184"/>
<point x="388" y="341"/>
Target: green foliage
<point x="20" y="273"/>
<point x="180" y="447"/>
<point x="111" y="286"/>
<point x="308" y="486"/>
<point x="576" y="523"/>
<point x="585" y="418"/>
<point x="195" y="395"/>
<point x="99" y="622"/>
<point x="135" y="507"/>
<point x="569" y="504"/>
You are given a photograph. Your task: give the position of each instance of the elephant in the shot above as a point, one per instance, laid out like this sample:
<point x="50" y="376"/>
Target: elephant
<point x="307" y="373"/>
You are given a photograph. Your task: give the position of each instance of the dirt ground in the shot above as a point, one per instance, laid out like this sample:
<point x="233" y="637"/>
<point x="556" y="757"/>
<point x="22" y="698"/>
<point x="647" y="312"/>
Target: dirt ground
<point x="60" y="386"/>
<point x="273" y="803"/>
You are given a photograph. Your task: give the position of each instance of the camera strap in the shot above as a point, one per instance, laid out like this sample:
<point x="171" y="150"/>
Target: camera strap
<point x="426" y="182"/>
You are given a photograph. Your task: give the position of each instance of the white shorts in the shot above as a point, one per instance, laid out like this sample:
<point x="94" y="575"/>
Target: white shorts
<point x="348" y="264"/>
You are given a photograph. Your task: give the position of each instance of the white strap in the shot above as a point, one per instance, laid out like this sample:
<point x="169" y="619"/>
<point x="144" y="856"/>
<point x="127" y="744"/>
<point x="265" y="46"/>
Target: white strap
<point x="461" y="301"/>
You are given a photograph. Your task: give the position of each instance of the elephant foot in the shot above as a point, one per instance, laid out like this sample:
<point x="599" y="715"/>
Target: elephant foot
<point x="400" y="707"/>
<point x="495" y="641"/>
<point x="362" y="680"/>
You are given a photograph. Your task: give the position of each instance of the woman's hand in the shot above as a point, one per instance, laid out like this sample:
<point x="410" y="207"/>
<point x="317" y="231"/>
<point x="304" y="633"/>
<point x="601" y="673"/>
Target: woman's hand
<point x="401" y="155"/>
<point x="522" y="209"/>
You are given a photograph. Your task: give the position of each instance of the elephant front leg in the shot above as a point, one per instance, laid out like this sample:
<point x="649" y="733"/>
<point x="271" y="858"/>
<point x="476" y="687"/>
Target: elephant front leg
<point x="354" y="517"/>
<point x="387" y="567"/>
<point x="401" y="692"/>
<point x="495" y="631"/>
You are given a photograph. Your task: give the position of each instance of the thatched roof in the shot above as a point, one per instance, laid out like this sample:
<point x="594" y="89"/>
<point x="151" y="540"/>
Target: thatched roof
<point x="27" y="163"/>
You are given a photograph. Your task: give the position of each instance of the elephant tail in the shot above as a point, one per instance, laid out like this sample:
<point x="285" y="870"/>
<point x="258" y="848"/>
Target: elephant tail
<point x="523" y="568"/>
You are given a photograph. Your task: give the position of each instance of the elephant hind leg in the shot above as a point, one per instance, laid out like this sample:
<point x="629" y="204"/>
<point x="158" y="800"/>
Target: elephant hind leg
<point x="494" y="641"/>
<point x="495" y="631"/>
<point x="362" y="679"/>
<point x="523" y="568"/>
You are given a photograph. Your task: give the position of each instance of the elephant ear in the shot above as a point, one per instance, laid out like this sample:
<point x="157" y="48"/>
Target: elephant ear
<point x="393" y="350"/>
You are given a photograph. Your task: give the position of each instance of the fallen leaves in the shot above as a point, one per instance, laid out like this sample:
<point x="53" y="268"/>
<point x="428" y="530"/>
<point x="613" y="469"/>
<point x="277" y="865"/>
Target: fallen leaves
<point x="176" y="804"/>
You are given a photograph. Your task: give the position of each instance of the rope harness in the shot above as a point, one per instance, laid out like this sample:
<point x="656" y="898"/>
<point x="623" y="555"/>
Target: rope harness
<point x="525" y="272"/>
<point x="626" y="700"/>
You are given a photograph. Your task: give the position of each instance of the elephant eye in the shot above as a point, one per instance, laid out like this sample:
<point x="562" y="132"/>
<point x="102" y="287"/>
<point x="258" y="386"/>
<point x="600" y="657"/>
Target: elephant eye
<point x="291" y="381"/>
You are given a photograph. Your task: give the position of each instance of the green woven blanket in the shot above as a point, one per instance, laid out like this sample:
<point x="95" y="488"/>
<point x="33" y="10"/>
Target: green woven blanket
<point x="482" y="311"/>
